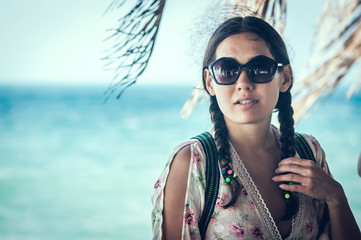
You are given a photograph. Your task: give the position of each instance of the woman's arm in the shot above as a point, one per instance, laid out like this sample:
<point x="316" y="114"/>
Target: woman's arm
<point x="343" y="223"/>
<point x="315" y="183"/>
<point x="174" y="195"/>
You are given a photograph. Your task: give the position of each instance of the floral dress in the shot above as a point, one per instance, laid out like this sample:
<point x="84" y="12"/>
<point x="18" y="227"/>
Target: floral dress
<point x="249" y="217"/>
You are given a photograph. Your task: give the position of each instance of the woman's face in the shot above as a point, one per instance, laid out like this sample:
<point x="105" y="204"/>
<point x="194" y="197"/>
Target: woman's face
<point x="245" y="102"/>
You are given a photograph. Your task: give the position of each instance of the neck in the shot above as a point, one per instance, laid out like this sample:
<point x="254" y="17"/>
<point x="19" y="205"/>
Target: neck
<point x="248" y="137"/>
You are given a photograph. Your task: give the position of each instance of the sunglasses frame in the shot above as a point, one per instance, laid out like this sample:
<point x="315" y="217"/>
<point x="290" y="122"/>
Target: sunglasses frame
<point x="243" y="67"/>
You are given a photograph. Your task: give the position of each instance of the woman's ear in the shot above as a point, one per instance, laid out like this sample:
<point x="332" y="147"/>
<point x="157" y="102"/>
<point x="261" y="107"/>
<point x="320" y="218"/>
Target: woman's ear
<point x="209" y="83"/>
<point x="287" y="78"/>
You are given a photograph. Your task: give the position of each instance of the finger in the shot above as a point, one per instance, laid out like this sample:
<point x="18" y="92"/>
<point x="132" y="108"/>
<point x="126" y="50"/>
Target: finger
<point x="296" y="161"/>
<point x="299" y="169"/>
<point x="290" y="178"/>
<point x="294" y="188"/>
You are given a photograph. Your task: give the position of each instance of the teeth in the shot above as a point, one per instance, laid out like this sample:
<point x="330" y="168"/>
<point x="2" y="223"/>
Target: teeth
<point x="246" y="101"/>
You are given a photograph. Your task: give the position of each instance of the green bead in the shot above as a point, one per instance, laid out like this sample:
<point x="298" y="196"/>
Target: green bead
<point x="287" y="195"/>
<point x="234" y="175"/>
<point x="290" y="183"/>
<point x="228" y="179"/>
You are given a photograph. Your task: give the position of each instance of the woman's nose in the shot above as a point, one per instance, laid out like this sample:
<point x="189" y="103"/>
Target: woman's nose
<point x="243" y="82"/>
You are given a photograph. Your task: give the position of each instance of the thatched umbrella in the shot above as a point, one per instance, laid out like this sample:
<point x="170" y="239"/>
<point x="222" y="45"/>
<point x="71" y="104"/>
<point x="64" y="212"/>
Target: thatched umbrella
<point x="135" y="37"/>
<point x="335" y="49"/>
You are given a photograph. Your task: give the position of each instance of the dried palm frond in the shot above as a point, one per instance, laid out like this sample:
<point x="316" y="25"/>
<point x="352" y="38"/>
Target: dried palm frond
<point x="274" y="11"/>
<point x="134" y="42"/>
<point x="336" y="48"/>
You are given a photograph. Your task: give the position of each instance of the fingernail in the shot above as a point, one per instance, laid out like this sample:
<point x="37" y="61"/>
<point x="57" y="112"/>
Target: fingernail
<point x="274" y="178"/>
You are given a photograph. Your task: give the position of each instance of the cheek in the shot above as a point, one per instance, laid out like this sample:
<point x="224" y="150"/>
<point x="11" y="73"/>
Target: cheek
<point x="224" y="98"/>
<point x="275" y="89"/>
<point x="276" y="99"/>
<point x="278" y="82"/>
<point x="222" y="93"/>
<point x="273" y="98"/>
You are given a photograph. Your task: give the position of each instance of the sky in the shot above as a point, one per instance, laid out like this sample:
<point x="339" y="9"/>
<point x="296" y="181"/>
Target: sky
<point x="62" y="42"/>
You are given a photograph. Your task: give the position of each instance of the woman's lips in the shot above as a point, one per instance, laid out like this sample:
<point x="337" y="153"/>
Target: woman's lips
<point x="246" y="103"/>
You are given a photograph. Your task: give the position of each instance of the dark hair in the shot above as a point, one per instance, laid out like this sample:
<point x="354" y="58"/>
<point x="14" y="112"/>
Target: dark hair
<point x="278" y="50"/>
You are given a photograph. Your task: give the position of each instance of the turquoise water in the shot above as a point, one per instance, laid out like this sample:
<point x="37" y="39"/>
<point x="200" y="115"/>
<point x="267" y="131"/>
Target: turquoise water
<point x="72" y="167"/>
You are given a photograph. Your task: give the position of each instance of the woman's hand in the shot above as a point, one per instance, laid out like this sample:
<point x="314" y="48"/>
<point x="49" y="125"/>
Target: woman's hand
<point x="310" y="179"/>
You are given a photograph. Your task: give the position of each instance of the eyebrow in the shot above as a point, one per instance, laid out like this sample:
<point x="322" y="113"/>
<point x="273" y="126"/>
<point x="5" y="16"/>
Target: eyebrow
<point x="234" y="59"/>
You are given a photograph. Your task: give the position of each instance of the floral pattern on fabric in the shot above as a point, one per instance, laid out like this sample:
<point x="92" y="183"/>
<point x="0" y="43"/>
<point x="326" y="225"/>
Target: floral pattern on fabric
<point x="221" y="201"/>
<point x="238" y="230"/>
<point x="158" y="184"/>
<point x="309" y="227"/>
<point x="257" y="232"/>
<point x="189" y="217"/>
<point x="242" y="220"/>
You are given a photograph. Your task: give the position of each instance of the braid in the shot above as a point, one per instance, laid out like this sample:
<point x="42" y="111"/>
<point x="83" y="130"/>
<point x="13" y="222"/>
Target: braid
<point x="221" y="139"/>
<point x="285" y="117"/>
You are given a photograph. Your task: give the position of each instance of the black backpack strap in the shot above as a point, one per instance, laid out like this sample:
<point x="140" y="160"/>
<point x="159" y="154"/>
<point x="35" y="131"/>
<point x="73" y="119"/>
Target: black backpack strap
<point x="303" y="148"/>
<point x="212" y="180"/>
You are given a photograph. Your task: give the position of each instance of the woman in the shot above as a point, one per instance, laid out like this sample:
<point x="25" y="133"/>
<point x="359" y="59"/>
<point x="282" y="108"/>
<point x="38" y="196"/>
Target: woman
<point x="247" y="73"/>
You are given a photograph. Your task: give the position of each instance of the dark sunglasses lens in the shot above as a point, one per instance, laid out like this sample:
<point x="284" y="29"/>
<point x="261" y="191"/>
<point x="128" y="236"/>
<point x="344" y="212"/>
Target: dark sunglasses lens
<point x="261" y="70"/>
<point x="226" y="71"/>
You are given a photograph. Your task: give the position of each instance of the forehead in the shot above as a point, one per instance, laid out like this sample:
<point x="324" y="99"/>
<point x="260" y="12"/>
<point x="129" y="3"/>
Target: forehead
<point x="243" y="47"/>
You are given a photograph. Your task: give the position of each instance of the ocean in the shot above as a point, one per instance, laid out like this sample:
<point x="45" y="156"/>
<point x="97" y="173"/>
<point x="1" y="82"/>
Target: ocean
<point x="74" y="167"/>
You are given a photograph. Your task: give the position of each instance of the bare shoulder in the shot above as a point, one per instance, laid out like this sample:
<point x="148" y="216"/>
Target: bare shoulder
<point x="178" y="173"/>
<point x="175" y="192"/>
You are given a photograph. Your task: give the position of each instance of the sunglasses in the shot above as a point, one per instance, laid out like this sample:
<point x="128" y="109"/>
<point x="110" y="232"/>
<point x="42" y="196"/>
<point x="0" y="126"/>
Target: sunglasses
<point x="261" y="69"/>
